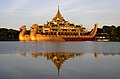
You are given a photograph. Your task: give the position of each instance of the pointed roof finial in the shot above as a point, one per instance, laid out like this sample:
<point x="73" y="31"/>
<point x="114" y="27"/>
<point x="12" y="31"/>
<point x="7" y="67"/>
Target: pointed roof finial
<point x="58" y="16"/>
<point x="58" y="7"/>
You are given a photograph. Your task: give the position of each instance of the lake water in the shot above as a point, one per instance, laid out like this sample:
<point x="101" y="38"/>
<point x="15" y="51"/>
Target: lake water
<point x="59" y="60"/>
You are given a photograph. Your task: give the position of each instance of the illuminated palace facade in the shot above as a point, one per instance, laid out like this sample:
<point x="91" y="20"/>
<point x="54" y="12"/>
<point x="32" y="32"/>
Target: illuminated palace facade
<point x="58" y="29"/>
<point x="59" y="26"/>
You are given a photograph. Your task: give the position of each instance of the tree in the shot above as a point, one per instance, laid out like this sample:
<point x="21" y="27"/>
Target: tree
<point x="107" y="29"/>
<point x="99" y="30"/>
<point x="3" y="34"/>
<point x="118" y="31"/>
<point x="113" y="31"/>
<point x="8" y="34"/>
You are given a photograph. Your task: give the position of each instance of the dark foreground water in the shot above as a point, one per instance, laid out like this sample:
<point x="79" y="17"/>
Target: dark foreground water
<point x="60" y="60"/>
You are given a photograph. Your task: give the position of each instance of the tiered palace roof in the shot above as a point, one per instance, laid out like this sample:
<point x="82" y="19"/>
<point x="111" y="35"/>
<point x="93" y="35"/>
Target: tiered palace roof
<point x="58" y="23"/>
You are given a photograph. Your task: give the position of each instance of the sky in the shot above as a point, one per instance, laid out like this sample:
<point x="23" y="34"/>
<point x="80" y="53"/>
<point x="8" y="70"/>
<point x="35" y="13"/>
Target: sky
<point x="15" y="13"/>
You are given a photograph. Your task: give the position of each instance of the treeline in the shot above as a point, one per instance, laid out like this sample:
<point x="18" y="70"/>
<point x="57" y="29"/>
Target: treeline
<point x="112" y="31"/>
<point x="13" y="35"/>
<point x="9" y="34"/>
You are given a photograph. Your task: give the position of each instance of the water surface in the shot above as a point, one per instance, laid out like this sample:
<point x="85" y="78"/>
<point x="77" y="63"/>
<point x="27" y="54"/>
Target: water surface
<point x="62" y="60"/>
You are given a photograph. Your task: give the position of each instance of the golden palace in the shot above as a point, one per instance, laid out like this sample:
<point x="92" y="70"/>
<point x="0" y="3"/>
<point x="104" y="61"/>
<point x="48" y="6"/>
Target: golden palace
<point x="58" y="29"/>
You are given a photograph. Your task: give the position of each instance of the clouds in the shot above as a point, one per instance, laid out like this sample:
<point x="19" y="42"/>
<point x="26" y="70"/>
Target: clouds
<point x="16" y="5"/>
<point x="78" y="11"/>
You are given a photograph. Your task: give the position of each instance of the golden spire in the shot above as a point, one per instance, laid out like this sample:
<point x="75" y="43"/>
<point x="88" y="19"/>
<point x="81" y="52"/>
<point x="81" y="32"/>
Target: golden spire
<point x="58" y="16"/>
<point x="58" y="7"/>
<point x="58" y="13"/>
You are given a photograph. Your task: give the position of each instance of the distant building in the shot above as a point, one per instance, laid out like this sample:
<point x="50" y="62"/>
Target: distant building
<point x="102" y="37"/>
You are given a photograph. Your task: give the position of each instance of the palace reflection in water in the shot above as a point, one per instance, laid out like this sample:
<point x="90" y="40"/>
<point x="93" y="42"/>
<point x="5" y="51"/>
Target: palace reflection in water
<point x="59" y="60"/>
